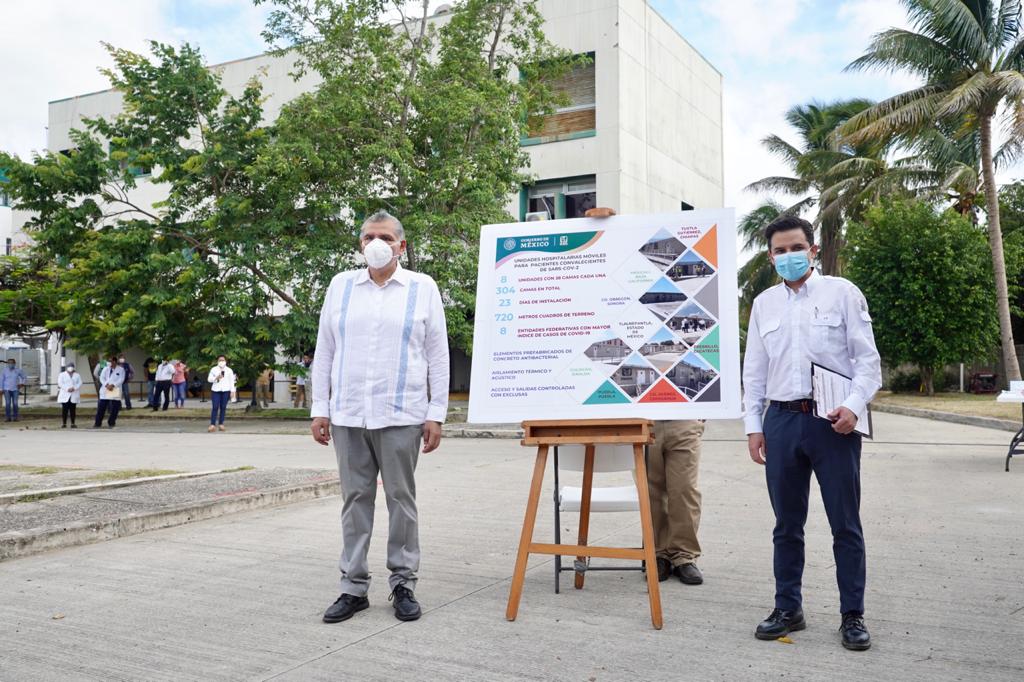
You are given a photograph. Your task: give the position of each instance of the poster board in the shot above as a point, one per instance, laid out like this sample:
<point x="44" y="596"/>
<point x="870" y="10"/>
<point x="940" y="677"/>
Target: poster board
<point x="628" y="316"/>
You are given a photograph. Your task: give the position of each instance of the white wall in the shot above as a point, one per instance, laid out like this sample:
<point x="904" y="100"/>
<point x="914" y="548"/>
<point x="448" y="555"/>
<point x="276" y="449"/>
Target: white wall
<point x="671" y="117"/>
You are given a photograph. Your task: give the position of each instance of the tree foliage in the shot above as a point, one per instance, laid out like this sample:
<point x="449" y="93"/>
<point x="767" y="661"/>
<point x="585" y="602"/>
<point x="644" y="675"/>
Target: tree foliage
<point x="968" y="55"/>
<point x="928" y="277"/>
<point x="252" y="218"/>
<point x="420" y="119"/>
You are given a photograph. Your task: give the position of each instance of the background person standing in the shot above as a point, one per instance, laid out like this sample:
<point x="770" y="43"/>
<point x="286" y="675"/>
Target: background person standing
<point x="12" y="380"/>
<point x="129" y="374"/>
<point x="179" y="382"/>
<point x="222" y="385"/>
<point x="164" y="377"/>
<point x="111" y="381"/>
<point x="69" y="394"/>
<point x="149" y="366"/>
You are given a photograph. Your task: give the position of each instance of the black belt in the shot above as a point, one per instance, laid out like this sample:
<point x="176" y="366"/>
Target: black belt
<point x="795" y="405"/>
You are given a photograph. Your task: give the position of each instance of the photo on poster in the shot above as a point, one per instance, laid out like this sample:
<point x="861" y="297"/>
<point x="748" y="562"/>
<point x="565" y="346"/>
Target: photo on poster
<point x="662" y="249"/>
<point x="690" y="273"/>
<point x="691" y="322"/>
<point x="663" y="350"/>
<point x="663" y="299"/>
<point x="635" y="375"/>
<point x="691" y="374"/>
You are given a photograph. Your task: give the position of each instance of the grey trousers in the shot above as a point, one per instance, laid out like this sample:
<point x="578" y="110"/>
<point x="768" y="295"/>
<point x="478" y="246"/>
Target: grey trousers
<point x="362" y="454"/>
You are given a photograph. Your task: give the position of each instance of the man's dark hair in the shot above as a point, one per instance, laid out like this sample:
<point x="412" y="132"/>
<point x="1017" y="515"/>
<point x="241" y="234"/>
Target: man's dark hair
<point x="787" y="223"/>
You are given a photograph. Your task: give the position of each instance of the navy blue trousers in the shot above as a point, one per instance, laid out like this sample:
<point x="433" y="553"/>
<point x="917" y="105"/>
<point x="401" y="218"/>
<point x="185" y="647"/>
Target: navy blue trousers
<point x="796" y="444"/>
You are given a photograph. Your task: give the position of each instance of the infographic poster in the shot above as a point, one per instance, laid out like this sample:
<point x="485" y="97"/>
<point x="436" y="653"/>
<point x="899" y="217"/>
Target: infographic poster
<point x="628" y="316"/>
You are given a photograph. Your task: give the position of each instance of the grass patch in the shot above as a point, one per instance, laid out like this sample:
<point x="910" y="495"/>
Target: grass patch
<point x="33" y="498"/>
<point x="958" y="403"/>
<point x="32" y="470"/>
<point x="132" y="473"/>
<point x="247" y="467"/>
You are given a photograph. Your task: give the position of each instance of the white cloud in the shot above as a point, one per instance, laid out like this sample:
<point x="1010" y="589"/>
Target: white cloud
<point x="52" y="50"/>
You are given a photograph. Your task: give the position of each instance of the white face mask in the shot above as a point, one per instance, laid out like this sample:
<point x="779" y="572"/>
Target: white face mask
<point x="378" y="254"/>
<point x="222" y="364"/>
<point x="71" y="370"/>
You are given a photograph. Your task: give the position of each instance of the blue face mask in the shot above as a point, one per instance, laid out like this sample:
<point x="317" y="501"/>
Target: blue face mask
<point x="792" y="266"/>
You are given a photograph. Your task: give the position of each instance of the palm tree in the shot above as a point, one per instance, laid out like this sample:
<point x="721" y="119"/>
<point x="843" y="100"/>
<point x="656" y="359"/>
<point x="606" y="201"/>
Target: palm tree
<point x="811" y="162"/>
<point x="969" y="54"/>
<point x="758" y="273"/>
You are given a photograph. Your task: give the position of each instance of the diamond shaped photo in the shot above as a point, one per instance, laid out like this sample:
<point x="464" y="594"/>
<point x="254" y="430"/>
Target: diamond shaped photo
<point x="663" y="350"/>
<point x="691" y="323"/>
<point x="690" y="273"/>
<point x="663" y="299"/>
<point x="691" y="374"/>
<point x="662" y="249"/>
<point x="608" y="352"/>
<point x="635" y="375"/>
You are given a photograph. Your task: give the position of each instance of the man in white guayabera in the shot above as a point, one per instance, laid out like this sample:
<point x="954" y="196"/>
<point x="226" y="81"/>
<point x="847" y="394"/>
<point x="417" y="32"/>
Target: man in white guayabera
<point x="380" y="387"/>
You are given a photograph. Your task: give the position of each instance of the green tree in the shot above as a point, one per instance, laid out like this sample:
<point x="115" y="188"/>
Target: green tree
<point x="421" y="120"/>
<point x="28" y="296"/>
<point x="928" y="278"/>
<point x="758" y="273"/>
<point x="969" y="54"/>
<point x="204" y="271"/>
<point x="813" y="163"/>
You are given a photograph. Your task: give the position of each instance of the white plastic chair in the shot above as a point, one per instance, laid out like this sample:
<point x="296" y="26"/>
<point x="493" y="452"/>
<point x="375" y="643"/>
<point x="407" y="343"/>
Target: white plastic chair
<point x="607" y="458"/>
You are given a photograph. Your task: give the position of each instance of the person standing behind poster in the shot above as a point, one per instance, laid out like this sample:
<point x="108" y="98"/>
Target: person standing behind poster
<point x="381" y="379"/>
<point x="673" y="465"/>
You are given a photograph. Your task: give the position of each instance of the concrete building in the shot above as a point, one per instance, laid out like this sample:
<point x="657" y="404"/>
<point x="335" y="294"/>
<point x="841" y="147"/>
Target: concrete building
<point x="643" y="132"/>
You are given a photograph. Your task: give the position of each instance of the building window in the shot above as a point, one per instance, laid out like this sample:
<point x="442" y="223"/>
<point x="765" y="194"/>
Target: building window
<point x="5" y="200"/>
<point x="555" y="199"/>
<point x="125" y="160"/>
<point x="578" y="118"/>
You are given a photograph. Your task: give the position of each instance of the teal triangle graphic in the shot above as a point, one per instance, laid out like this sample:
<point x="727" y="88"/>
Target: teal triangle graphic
<point x="608" y="394"/>
<point x="708" y="349"/>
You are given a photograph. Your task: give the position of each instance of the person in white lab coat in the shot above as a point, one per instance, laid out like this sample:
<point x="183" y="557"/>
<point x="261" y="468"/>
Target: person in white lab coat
<point x="111" y="381"/>
<point x="69" y="395"/>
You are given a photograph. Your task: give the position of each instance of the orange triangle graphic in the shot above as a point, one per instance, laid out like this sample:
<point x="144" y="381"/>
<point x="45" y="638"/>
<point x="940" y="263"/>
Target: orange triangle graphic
<point x="663" y="392"/>
<point x="707" y="247"/>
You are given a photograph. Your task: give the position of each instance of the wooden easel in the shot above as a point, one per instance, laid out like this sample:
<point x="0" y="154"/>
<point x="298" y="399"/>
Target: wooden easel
<point x="589" y="433"/>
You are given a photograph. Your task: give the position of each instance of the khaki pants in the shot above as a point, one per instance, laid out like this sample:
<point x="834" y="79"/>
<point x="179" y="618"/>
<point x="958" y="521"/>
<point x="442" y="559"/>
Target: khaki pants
<point x="300" y="396"/>
<point x="262" y="393"/>
<point x="673" y="462"/>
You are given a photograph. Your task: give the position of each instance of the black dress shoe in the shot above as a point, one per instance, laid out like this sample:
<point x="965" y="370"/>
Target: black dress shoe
<point x="688" y="574"/>
<point x="345" y="607"/>
<point x="855" y="633"/>
<point x="664" y="569"/>
<point x="406" y="606"/>
<point x="780" y="623"/>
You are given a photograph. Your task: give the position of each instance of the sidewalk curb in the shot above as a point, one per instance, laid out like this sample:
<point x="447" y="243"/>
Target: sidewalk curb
<point x="16" y="544"/>
<point x="953" y="418"/>
<point x="470" y="432"/>
<point x="46" y="493"/>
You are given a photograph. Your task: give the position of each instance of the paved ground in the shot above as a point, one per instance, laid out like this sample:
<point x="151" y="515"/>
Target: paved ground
<point x="240" y="597"/>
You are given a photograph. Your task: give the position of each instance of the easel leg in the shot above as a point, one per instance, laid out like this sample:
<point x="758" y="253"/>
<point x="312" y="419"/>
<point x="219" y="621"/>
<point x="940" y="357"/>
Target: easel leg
<point x="588" y="486"/>
<point x="516" y="591"/>
<point x="653" y="593"/>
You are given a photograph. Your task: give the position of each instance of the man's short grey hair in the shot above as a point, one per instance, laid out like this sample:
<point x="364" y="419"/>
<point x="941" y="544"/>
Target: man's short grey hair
<point x="383" y="217"/>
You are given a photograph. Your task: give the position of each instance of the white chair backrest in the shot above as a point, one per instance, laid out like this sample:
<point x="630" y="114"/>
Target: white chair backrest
<point x="606" y="457"/>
